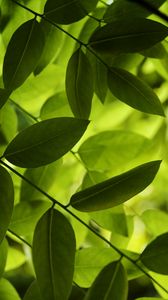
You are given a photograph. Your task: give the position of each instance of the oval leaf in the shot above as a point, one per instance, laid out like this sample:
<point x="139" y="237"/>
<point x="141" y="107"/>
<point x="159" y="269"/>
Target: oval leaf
<point x="155" y="257"/>
<point x="111" y="283"/>
<point x="116" y="190"/>
<point x="133" y="91"/>
<point x="22" y="54"/>
<point x="79" y="84"/>
<point x="7" y="291"/>
<point x="68" y="11"/>
<point x="138" y="35"/>
<point x="33" y="292"/>
<point x="51" y="140"/>
<point x="3" y="256"/>
<point x="53" y="255"/>
<point x="6" y="201"/>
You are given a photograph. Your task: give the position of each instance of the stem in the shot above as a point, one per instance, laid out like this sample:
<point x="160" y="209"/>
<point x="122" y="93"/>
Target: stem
<point x="19" y="237"/>
<point x="25" y="111"/>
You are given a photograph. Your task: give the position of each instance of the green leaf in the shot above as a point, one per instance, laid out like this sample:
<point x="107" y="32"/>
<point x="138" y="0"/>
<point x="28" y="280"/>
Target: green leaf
<point x="68" y="11"/>
<point x="111" y="283"/>
<point x="79" y="84"/>
<point x="4" y="95"/>
<point x="133" y="91"/>
<point x="6" y="201"/>
<point x="51" y="139"/>
<point x="22" y="54"/>
<point x="53" y="38"/>
<point x="3" y="256"/>
<point x="43" y="177"/>
<point x="121" y="8"/>
<point x="33" y="292"/>
<point x="156" y="221"/>
<point x="7" y="291"/>
<point x="149" y="298"/>
<point x="90" y="261"/>
<point x="116" y="38"/>
<point x="154" y="257"/>
<point x="116" y="190"/>
<point x="53" y="255"/>
<point x="16" y="258"/>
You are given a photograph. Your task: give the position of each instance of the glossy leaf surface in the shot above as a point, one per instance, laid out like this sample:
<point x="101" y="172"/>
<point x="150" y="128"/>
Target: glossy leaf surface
<point x="6" y="201"/>
<point x="54" y="240"/>
<point x="133" y="91"/>
<point x="22" y="54"/>
<point x="154" y="257"/>
<point x="79" y="84"/>
<point x="111" y="283"/>
<point x="116" y="190"/>
<point x="51" y="140"/>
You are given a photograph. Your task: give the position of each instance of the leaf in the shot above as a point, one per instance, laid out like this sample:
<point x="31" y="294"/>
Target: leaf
<point x="68" y="11"/>
<point x="22" y="54"/>
<point x="154" y="257"/>
<point x="3" y="256"/>
<point x="133" y="91"/>
<point x="33" y="292"/>
<point x="116" y="190"/>
<point x="53" y="38"/>
<point x="79" y="84"/>
<point x="43" y="177"/>
<point x="4" y="95"/>
<point x="116" y="38"/>
<point x="51" y="139"/>
<point x="156" y="221"/>
<point x="111" y="283"/>
<point x="53" y="255"/>
<point x="121" y="8"/>
<point x="7" y="291"/>
<point x="149" y="298"/>
<point x="16" y="258"/>
<point x="6" y="201"/>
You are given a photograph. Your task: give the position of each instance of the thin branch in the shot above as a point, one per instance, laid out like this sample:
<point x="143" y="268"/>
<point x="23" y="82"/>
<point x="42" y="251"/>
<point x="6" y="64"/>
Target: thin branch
<point x="19" y="237"/>
<point x="23" y="110"/>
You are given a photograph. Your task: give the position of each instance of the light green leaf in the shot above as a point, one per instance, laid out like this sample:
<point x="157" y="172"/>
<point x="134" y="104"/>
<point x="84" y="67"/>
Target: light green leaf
<point x="111" y="283"/>
<point x="155" y="257"/>
<point x="68" y="11"/>
<point x="53" y="255"/>
<point x="51" y="139"/>
<point x="133" y="91"/>
<point x="116" y="190"/>
<point x="156" y="221"/>
<point x="79" y="84"/>
<point x="149" y="298"/>
<point x="33" y="292"/>
<point x="53" y="38"/>
<point x="89" y="262"/>
<point x="4" y="95"/>
<point x="6" y="201"/>
<point x="43" y="177"/>
<point x="116" y="38"/>
<point x="7" y="291"/>
<point x="22" y="54"/>
<point x="15" y="259"/>
<point x="3" y="256"/>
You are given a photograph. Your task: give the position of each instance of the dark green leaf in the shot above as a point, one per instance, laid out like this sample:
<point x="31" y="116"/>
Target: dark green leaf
<point x="33" y="292"/>
<point x="157" y="51"/>
<point x="116" y="190"/>
<point x="133" y="91"/>
<point x="3" y="256"/>
<point x="155" y="257"/>
<point x="51" y="139"/>
<point x="79" y="84"/>
<point x="6" y="201"/>
<point x="122" y="8"/>
<point x="53" y="255"/>
<point x="7" y="291"/>
<point x="111" y="283"/>
<point x="68" y="11"/>
<point x="4" y="95"/>
<point x="117" y="38"/>
<point x="22" y="54"/>
<point x="53" y="37"/>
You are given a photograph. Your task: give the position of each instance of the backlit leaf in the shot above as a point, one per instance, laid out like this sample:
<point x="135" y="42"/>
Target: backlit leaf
<point x="138" y="35"/>
<point x="111" y="283"/>
<point x="133" y="91"/>
<point x="7" y="291"/>
<point x="79" y="84"/>
<point x="3" y="256"/>
<point x="6" y="201"/>
<point x="154" y="257"/>
<point x="22" y="54"/>
<point x="53" y="255"/>
<point x="51" y="139"/>
<point x="116" y="190"/>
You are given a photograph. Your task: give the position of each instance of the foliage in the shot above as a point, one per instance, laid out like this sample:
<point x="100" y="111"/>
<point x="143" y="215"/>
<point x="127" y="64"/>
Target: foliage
<point x="83" y="133"/>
